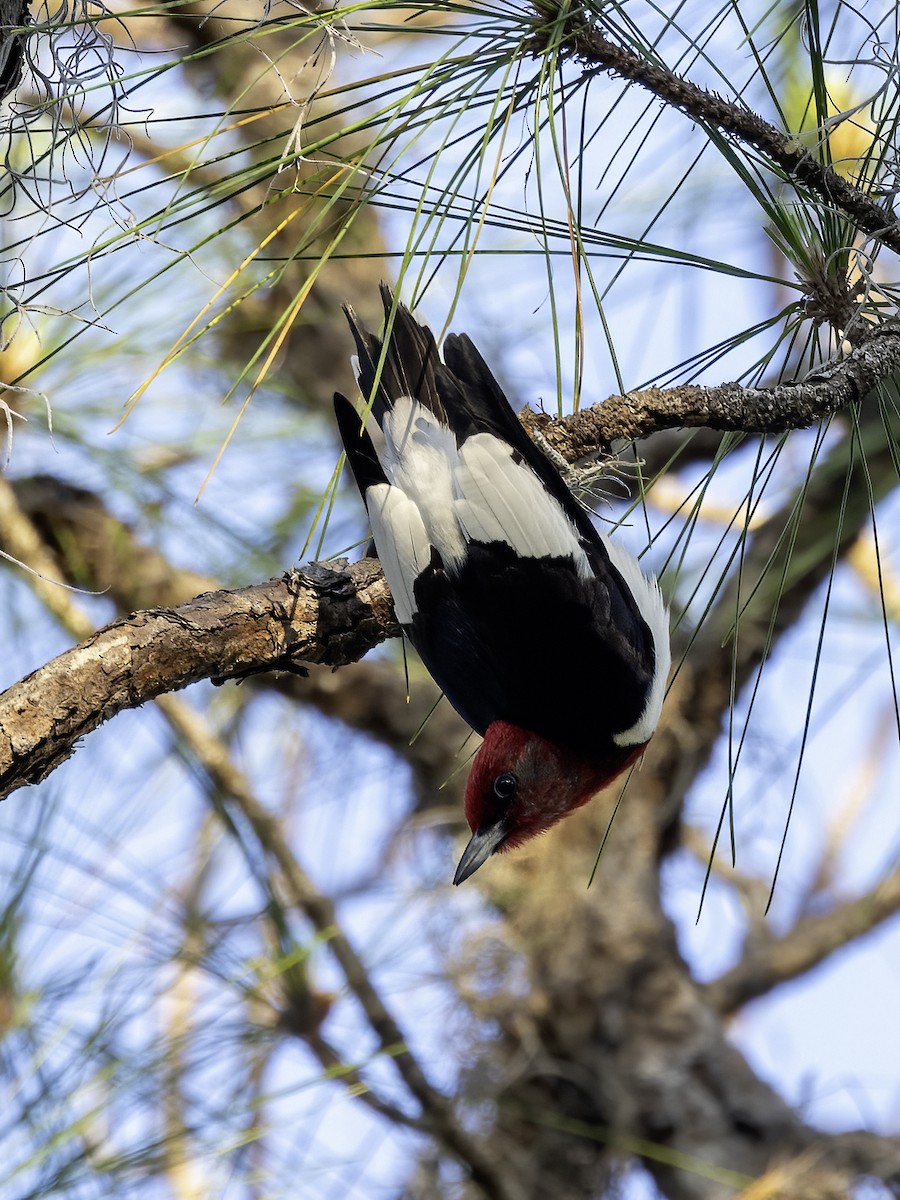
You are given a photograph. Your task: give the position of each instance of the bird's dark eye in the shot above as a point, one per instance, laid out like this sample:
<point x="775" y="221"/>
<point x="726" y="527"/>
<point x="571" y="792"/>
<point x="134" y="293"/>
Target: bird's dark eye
<point x="506" y="786"/>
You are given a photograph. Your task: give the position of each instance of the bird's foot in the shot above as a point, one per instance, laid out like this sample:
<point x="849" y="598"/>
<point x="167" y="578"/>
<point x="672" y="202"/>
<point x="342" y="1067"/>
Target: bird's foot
<point x="603" y="479"/>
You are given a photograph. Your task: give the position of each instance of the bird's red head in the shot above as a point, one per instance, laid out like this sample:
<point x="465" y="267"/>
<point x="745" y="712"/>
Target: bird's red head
<point x="521" y="784"/>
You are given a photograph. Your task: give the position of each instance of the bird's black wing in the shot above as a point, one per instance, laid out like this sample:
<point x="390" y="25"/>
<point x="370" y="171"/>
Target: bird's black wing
<point x="511" y="627"/>
<point x="527" y="641"/>
<point x="488" y="407"/>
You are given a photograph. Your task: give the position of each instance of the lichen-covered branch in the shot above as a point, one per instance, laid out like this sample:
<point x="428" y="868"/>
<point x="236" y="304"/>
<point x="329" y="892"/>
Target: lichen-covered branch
<point x="728" y="406"/>
<point x="96" y="550"/>
<point x="329" y="615"/>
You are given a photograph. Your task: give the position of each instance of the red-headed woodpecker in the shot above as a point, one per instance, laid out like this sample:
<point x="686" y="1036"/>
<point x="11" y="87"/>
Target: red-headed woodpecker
<point x="545" y="635"/>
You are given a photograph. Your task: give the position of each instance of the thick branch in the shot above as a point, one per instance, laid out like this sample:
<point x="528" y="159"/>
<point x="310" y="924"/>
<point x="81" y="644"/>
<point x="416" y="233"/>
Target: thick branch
<point x="98" y="551"/>
<point x="330" y="615"/>
<point x="727" y="407"/>
<point x="583" y="41"/>
<point x="260" y="628"/>
<point x="768" y="961"/>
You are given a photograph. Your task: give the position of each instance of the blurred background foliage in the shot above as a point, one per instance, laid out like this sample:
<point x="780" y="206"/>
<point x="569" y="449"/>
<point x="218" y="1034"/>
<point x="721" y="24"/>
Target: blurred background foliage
<point x="230" y="963"/>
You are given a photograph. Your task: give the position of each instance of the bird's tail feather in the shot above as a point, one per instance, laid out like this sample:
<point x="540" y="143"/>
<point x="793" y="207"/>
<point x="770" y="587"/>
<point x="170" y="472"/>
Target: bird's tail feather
<point x="361" y="456"/>
<point x="410" y="363"/>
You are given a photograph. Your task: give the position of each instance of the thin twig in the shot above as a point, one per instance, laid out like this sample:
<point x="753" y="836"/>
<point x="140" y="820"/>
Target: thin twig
<point x="580" y="40"/>
<point x="211" y="752"/>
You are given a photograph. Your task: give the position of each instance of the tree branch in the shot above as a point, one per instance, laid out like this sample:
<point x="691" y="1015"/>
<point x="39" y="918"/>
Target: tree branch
<point x="301" y="892"/>
<point x="576" y="37"/>
<point x="726" y="407"/>
<point x="768" y="961"/>
<point x="97" y="550"/>
<point x="334" y="616"/>
<point x="322" y="614"/>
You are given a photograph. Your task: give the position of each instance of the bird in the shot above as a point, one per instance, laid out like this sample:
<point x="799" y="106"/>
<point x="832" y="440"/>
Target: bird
<point x="543" y="633"/>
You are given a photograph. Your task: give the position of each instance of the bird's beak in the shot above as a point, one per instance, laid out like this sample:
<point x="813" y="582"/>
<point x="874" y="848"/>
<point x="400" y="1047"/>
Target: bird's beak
<point x="482" y="845"/>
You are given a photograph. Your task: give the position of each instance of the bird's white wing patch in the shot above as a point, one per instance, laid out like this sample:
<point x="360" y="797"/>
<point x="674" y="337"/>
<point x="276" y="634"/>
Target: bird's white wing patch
<point x="403" y="544"/>
<point x="421" y="458"/>
<point x="653" y="609"/>
<point x="501" y="500"/>
<point x="443" y="495"/>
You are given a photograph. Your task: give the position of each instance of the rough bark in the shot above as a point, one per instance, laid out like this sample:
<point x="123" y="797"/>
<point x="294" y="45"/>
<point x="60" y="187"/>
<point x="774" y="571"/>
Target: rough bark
<point x="728" y="406"/>
<point x="96" y="550"/>
<point x="233" y="648"/>
<point x="329" y="615"/>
